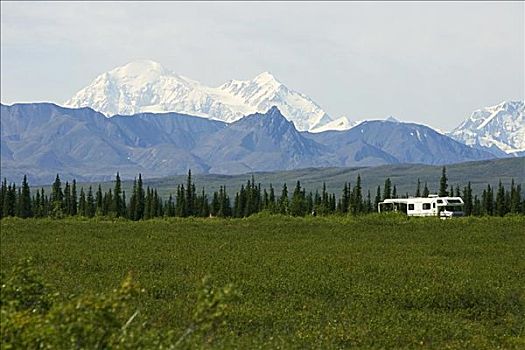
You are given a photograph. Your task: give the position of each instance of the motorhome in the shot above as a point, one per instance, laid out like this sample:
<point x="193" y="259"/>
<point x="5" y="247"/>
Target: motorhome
<point x="433" y="205"/>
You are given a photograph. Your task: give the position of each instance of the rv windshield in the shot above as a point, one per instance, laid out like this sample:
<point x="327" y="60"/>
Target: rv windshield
<point x="453" y="201"/>
<point x="453" y="208"/>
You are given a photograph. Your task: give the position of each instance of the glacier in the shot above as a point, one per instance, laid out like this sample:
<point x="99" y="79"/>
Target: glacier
<point x="147" y="86"/>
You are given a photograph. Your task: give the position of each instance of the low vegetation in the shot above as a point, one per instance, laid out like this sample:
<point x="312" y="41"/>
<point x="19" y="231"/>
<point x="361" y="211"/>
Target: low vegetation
<point x="267" y="281"/>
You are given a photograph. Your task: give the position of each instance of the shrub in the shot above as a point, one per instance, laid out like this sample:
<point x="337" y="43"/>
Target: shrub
<point x="33" y="318"/>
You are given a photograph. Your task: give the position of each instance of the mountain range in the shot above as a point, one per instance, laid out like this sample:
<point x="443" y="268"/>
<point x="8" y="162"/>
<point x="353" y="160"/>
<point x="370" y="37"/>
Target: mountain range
<point x="146" y="86"/>
<point x="42" y="139"/>
<point x="142" y="117"/>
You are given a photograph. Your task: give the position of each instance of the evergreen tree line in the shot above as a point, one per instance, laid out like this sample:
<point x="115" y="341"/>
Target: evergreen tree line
<point x="145" y="203"/>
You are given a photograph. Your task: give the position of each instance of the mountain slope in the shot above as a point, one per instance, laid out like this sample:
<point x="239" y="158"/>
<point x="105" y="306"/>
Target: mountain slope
<point x="262" y="142"/>
<point x="45" y="139"/>
<point x="146" y="86"/>
<point x="501" y="126"/>
<point x="387" y="142"/>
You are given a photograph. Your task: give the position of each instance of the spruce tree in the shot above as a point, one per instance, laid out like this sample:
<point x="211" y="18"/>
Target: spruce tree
<point x="387" y="191"/>
<point x="82" y="203"/>
<point x="3" y="193"/>
<point x="357" y="197"/>
<point x="515" y="198"/>
<point x="99" y="202"/>
<point x="67" y="199"/>
<point x="225" y="208"/>
<point x="507" y="202"/>
<point x="44" y="205"/>
<point x="323" y="204"/>
<point x="133" y="201"/>
<point x="215" y="204"/>
<point x="487" y="201"/>
<point x="57" y="197"/>
<point x="180" y="202"/>
<point x="123" y="209"/>
<point x="377" y="199"/>
<point x="149" y="204"/>
<point x="426" y="191"/>
<point x="500" y="200"/>
<point x="190" y="200"/>
<point x="248" y="200"/>
<point x="36" y="205"/>
<point x="156" y="209"/>
<point x="418" y="188"/>
<point x="443" y="183"/>
<point x="476" y="206"/>
<point x="368" y="207"/>
<point x="106" y="202"/>
<point x="17" y="203"/>
<point x="265" y="200"/>
<point x="74" y="200"/>
<point x="309" y="204"/>
<point x="283" y="200"/>
<point x="140" y="201"/>
<point x="90" y="207"/>
<point x="467" y="199"/>
<point x="298" y="201"/>
<point x="170" y="207"/>
<point x="204" y="206"/>
<point x="117" y="206"/>
<point x="271" y="199"/>
<point x="10" y="201"/>
<point x="332" y="202"/>
<point x="345" y="199"/>
<point x="25" y="200"/>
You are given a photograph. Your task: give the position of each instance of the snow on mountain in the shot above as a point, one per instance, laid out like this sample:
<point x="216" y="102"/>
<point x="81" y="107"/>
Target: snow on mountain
<point x="146" y="86"/>
<point x="340" y="124"/>
<point x="502" y="126"/>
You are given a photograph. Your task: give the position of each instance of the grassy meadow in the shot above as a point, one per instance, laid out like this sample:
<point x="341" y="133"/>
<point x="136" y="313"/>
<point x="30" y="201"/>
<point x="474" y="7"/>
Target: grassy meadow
<point x="332" y="282"/>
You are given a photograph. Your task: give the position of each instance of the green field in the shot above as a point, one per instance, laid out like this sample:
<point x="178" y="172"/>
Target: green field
<point x="332" y="282"/>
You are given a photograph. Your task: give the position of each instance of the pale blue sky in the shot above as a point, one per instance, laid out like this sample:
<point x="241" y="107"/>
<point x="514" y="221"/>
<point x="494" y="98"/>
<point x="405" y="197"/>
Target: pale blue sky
<point x="432" y="63"/>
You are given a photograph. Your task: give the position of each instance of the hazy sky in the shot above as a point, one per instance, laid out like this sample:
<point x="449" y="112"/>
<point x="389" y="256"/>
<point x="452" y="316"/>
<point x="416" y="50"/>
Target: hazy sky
<point x="432" y="63"/>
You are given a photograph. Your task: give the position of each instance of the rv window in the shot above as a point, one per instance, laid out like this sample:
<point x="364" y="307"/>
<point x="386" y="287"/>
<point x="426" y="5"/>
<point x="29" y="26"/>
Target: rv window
<point x="411" y="207"/>
<point x="433" y="205"/>
<point x="440" y="201"/>
<point x="426" y="206"/>
<point x="453" y="201"/>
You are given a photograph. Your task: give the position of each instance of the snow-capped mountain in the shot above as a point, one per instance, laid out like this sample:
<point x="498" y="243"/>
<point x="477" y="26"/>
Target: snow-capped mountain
<point x="146" y="86"/>
<point x="502" y="126"/>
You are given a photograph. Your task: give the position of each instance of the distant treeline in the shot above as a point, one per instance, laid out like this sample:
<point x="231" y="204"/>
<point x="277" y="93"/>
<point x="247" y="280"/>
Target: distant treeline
<point x="145" y="203"/>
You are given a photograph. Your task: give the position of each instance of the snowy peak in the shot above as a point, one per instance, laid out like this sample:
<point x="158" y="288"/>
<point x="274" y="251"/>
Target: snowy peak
<point x="501" y="126"/>
<point x="266" y="78"/>
<point x="392" y="119"/>
<point x="146" y="86"/>
<point x="145" y="68"/>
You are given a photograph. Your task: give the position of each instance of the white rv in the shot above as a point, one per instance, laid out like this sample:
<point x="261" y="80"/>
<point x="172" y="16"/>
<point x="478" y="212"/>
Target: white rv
<point x="444" y="207"/>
